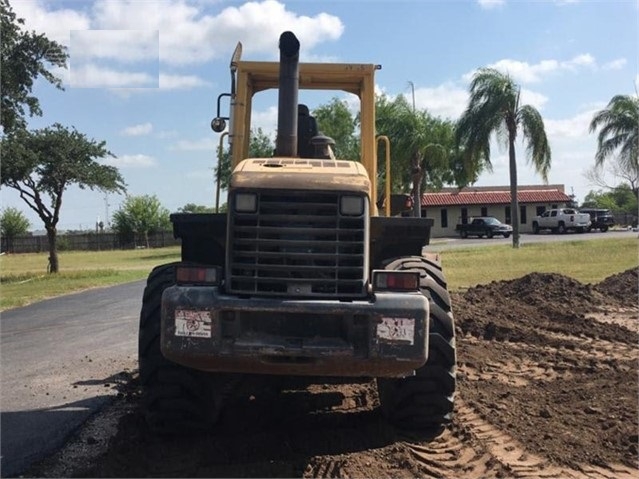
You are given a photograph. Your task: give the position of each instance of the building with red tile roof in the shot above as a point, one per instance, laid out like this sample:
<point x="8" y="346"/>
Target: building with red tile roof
<point x="451" y="206"/>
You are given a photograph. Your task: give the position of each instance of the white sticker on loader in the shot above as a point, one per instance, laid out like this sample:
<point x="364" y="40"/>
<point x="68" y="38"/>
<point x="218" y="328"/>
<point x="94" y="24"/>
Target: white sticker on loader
<point x="397" y="329"/>
<point x="192" y="324"/>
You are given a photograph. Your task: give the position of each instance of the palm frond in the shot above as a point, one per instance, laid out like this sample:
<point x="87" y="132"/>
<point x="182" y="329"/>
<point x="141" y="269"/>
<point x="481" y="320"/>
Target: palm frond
<point x="534" y="135"/>
<point x="618" y="126"/>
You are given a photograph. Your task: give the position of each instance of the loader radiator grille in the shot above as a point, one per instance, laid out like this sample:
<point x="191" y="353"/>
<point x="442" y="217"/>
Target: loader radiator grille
<point x="297" y="244"/>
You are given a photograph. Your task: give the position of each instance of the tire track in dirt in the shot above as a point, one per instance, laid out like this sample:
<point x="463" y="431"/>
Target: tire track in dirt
<point x="541" y="393"/>
<point x="553" y="364"/>
<point x="525" y="464"/>
<point x="478" y="449"/>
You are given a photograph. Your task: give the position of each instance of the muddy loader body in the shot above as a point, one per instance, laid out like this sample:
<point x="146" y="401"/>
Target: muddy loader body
<point x="302" y="276"/>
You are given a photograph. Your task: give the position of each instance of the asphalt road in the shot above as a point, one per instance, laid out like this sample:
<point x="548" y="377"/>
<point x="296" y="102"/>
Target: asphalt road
<point x="61" y="360"/>
<point x="440" y="244"/>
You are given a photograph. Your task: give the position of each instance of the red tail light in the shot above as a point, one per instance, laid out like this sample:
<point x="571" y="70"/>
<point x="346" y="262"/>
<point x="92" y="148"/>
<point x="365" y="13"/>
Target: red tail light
<point x="204" y="275"/>
<point x="395" y="280"/>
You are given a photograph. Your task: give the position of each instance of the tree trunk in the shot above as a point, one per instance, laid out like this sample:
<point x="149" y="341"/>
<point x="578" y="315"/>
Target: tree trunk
<point x="514" y="204"/>
<point x="53" y="251"/>
<point x="417" y="181"/>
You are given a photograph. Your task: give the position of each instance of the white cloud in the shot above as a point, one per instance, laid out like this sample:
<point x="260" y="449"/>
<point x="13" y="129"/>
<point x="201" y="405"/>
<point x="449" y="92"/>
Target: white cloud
<point x="447" y="100"/>
<point x="489" y="4"/>
<point x="574" y="127"/>
<point x="531" y="73"/>
<point x="188" y="35"/>
<point x="529" y="97"/>
<point x="120" y="45"/>
<point x="131" y="161"/>
<point x="583" y="60"/>
<point x="266" y="120"/>
<point x="617" y="64"/>
<point x="94" y="76"/>
<point x="56" y="24"/>
<point x="174" y="82"/>
<point x="138" y="130"/>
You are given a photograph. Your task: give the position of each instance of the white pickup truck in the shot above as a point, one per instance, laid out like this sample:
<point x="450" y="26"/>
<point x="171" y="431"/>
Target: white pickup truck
<point x="561" y="220"/>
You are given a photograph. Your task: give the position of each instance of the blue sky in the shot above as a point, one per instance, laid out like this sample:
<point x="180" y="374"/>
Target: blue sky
<point x="144" y="75"/>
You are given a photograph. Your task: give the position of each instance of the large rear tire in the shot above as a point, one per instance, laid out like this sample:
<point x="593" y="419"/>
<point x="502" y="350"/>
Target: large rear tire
<point x="174" y="398"/>
<point x="424" y="402"/>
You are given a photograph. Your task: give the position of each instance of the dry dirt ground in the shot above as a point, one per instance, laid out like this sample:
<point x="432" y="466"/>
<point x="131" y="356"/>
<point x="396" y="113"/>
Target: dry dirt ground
<point x="547" y="387"/>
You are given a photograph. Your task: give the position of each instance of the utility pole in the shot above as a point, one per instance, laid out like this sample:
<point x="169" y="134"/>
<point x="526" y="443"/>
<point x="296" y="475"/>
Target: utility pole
<point x="412" y="88"/>
<point x="106" y="211"/>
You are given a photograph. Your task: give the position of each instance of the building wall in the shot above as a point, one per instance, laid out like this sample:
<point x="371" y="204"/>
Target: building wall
<point x="453" y="215"/>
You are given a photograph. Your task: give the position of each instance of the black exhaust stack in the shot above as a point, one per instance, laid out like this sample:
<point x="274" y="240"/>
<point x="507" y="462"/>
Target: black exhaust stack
<point x="286" y="141"/>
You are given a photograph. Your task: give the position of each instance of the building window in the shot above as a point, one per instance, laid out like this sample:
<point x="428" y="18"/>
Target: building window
<point x="464" y="215"/>
<point x="554" y="207"/>
<point x="541" y="210"/>
<point x="484" y="211"/>
<point x="507" y="214"/>
<point x="444" y="213"/>
<point x="522" y="215"/>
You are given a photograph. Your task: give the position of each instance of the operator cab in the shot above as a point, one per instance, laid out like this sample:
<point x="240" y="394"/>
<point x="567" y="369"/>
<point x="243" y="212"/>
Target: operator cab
<point x="310" y="143"/>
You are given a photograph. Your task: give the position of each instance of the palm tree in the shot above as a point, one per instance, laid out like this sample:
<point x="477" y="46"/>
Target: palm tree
<point x="619" y="123"/>
<point x="494" y="108"/>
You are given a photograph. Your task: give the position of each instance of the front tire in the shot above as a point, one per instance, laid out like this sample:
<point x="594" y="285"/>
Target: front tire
<point x="506" y="235"/>
<point x="463" y="234"/>
<point x="425" y="401"/>
<point x="174" y="398"/>
<point x="603" y="229"/>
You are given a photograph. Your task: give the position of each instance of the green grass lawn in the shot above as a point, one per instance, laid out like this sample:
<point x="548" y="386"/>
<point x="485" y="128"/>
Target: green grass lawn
<point x="588" y="261"/>
<point x="23" y="277"/>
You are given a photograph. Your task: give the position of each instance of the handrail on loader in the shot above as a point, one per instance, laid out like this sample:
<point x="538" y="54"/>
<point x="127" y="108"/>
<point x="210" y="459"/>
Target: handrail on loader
<point x="387" y="182"/>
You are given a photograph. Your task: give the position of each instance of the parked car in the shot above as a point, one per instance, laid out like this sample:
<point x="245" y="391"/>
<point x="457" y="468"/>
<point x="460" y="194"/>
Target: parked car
<point x="481" y="226"/>
<point x="560" y="220"/>
<point x="600" y="218"/>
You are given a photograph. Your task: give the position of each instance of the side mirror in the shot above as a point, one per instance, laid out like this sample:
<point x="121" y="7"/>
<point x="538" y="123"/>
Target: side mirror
<point x="218" y="125"/>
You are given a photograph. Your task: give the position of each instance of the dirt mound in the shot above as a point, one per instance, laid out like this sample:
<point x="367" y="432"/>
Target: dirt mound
<point x="623" y="286"/>
<point x="547" y="387"/>
<point x="527" y="308"/>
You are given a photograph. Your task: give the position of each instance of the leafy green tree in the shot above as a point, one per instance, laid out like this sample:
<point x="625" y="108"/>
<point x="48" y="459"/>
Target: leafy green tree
<point x="260" y="146"/>
<point x="494" y="109"/>
<point x="618" y="126"/>
<point x="422" y="147"/>
<point x="141" y="215"/>
<point x="193" y="208"/>
<point x="24" y="57"/>
<point x="42" y="164"/>
<point x="621" y="199"/>
<point x="13" y="223"/>
<point x="335" y="120"/>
